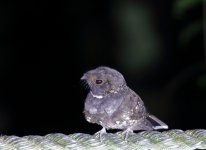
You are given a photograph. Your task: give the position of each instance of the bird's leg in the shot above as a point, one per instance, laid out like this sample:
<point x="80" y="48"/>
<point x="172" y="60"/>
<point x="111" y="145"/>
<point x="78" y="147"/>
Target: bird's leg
<point x="126" y="133"/>
<point x="100" y="133"/>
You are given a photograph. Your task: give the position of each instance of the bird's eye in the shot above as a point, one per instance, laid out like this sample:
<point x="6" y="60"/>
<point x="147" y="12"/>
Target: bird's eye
<point x="99" y="81"/>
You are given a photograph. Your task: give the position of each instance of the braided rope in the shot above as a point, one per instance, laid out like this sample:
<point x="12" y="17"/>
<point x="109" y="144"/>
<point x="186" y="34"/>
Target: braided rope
<point x="145" y="140"/>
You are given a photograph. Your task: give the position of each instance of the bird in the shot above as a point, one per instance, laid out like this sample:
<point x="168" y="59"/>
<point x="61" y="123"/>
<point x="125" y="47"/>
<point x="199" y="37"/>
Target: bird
<point x="111" y="104"/>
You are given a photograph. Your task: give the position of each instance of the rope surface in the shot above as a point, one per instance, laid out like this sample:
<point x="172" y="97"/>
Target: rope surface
<point x="145" y="140"/>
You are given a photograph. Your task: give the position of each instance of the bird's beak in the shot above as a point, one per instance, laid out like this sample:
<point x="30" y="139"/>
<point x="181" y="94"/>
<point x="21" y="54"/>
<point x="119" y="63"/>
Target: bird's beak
<point x="83" y="77"/>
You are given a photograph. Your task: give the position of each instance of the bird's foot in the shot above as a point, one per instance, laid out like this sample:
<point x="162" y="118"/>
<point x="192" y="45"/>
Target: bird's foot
<point x="100" y="133"/>
<point x="126" y="133"/>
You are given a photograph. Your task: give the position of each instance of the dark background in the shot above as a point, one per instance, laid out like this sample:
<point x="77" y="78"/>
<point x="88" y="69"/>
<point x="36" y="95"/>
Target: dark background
<point x="46" y="46"/>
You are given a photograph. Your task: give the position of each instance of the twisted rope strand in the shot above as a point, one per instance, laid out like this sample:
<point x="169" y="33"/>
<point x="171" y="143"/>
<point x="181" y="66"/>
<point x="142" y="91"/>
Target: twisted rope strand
<point x="146" y="140"/>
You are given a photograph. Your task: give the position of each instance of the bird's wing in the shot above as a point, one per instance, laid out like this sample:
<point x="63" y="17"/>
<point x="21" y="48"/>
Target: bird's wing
<point x="150" y="121"/>
<point x="137" y="106"/>
<point x="131" y="108"/>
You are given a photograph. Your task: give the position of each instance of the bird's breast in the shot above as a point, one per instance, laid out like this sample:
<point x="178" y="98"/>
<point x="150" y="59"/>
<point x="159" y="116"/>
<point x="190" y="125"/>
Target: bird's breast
<point x="107" y="105"/>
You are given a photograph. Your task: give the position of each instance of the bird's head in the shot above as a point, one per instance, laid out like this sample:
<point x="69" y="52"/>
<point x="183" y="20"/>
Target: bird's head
<point x="104" y="80"/>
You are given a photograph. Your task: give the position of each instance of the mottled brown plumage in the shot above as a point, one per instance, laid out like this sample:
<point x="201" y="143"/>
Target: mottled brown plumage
<point x="113" y="105"/>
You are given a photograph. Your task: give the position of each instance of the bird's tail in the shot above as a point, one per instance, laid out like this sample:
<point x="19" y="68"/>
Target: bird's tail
<point x="156" y="123"/>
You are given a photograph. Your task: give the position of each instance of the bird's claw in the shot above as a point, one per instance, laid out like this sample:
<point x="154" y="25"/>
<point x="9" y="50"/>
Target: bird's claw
<point x="126" y="133"/>
<point x="100" y="133"/>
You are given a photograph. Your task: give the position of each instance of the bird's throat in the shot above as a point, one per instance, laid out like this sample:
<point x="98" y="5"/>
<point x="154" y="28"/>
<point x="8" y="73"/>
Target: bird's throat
<point x="96" y="96"/>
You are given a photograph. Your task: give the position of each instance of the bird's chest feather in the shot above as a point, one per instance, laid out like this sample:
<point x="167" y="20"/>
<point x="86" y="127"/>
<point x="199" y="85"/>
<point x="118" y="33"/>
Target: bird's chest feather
<point x="106" y="105"/>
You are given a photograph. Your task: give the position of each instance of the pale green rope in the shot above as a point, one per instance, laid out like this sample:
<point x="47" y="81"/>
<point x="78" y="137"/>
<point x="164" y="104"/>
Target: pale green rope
<point x="145" y="140"/>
